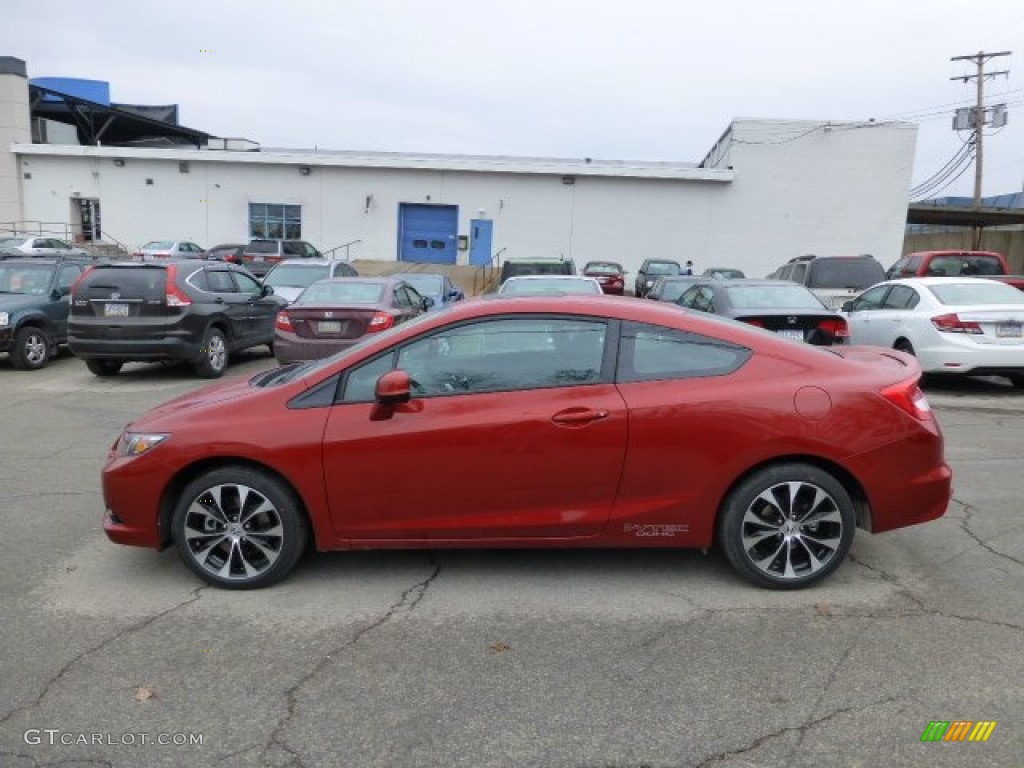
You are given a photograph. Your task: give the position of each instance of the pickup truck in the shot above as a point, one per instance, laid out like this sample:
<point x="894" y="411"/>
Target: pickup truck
<point x="955" y="263"/>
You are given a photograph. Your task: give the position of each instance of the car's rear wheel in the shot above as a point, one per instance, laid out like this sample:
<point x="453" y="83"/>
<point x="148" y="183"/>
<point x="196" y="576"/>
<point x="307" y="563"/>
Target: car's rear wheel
<point x="214" y="361"/>
<point x="104" y="367"/>
<point x="31" y="349"/>
<point x="787" y="526"/>
<point x="239" y="528"/>
<point x="1017" y="379"/>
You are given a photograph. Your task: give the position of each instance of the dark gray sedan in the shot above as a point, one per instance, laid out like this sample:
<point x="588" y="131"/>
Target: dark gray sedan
<point x="780" y="306"/>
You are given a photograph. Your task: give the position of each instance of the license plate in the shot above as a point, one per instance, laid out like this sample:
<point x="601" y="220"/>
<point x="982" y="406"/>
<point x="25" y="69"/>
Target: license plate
<point x="328" y="326"/>
<point x="257" y="258"/>
<point x="115" y="310"/>
<point x="787" y="333"/>
<point x="1008" y="330"/>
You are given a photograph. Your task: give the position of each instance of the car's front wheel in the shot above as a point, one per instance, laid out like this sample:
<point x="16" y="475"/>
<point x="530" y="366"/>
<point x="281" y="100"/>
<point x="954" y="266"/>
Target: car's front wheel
<point x="31" y="349"/>
<point x="787" y="526"/>
<point x="239" y="528"/>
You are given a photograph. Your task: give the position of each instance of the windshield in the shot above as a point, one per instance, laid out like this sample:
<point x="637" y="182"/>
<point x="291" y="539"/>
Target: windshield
<point x="982" y="292"/>
<point x="295" y="275"/>
<point x="26" y="278"/>
<point x="424" y="284"/>
<point x="772" y="297"/>
<point x="673" y="289"/>
<point x="329" y="292"/>
<point x="158" y="245"/>
<point x="262" y="246"/>
<point x="853" y="273"/>
<point x="724" y="273"/>
<point x="662" y="268"/>
<point x="547" y="286"/>
<point x="603" y="268"/>
<point x="12" y="242"/>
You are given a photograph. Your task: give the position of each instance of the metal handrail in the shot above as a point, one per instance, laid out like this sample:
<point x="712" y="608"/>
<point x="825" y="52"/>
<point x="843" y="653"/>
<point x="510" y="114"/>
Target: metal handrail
<point x="36" y="228"/>
<point x="346" y="246"/>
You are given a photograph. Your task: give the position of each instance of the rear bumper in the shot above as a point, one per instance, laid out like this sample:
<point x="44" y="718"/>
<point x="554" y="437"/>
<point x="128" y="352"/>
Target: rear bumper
<point x="165" y="348"/>
<point x="907" y="482"/>
<point x="289" y="348"/>
<point x="965" y="357"/>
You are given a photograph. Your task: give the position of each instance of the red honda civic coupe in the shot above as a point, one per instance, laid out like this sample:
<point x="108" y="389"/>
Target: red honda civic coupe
<point x="565" y="421"/>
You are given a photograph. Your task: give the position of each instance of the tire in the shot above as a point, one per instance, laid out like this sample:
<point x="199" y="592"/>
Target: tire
<point x="104" y="367"/>
<point x="214" y="361"/>
<point x="31" y="349"/>
<point x="766" y="531"/>
<point x="239" y="528"/>
<point x="1017" y="379"/>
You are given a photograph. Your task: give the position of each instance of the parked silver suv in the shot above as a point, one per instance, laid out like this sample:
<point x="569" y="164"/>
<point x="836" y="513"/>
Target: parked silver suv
<point x="833" y="279"/>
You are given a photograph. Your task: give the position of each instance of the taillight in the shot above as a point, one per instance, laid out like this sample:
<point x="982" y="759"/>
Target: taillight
<point x="953" y="324"/>
<point x="836" y="326"/>
<point x="283" y="322"/>
<point x="381" y="321"/>
<point x="753" y="322"/>
<point x="907" y="396"/>
<point x="175" y="296"/>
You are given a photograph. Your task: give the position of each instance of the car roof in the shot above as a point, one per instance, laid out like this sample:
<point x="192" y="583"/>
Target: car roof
<point x="310" y="262"/>
<point x="936" y="281"/>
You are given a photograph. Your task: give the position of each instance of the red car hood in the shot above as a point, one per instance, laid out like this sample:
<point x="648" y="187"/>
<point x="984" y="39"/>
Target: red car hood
<point x="234" y="389"/>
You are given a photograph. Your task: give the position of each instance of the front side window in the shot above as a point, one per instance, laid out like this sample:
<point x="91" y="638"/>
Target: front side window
<point x="68" y="275"/>
<point x="271" y="220"/>
<point x="654" y="353"/>
<point x="247" y="285"/>
<point x="506" y="354"/>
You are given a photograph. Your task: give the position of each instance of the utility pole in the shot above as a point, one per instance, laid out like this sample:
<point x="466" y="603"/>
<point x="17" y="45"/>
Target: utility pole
<point x="979" y="59"/>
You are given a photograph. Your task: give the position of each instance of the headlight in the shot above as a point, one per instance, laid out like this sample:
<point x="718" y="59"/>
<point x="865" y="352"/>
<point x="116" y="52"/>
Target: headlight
<point x="5" y="318"/>
<point x="134" y="444"/>
<point x="650" y="283"/>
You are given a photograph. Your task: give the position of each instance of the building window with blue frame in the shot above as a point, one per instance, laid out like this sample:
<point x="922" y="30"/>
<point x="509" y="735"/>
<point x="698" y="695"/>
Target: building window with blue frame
<point x="276" y="222"/>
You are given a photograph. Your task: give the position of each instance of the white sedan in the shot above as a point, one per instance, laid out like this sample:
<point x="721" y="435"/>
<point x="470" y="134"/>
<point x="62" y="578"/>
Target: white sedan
<point x="959" y="325"/>
<point x="39" y="246"/>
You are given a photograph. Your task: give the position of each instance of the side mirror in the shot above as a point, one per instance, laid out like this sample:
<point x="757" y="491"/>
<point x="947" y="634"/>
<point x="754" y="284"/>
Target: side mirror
<point x="393" y="387"/>
<point x="61" y="290"/>
<point x="847" y="306"/>
<point x="267" y="290"/>
<point x="427" y="303"/>
<point x="456" y="295"/>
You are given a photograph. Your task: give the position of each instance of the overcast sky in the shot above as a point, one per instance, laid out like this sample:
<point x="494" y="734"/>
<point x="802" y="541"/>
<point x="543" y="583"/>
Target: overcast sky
<point x="609" y="79"/>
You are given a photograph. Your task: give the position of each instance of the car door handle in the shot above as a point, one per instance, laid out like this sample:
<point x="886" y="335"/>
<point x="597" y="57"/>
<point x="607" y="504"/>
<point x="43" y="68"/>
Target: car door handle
<point x="579" y="416"/>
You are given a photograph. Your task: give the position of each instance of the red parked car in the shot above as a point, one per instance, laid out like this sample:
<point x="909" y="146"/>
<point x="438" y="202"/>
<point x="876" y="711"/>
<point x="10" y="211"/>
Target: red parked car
<point x="539" y="422"/>
<point x="609" y="274"/>
<point x="333" y="314"/>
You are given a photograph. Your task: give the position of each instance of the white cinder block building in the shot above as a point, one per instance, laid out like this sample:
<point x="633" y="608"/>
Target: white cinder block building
<point x="767" y="191"/>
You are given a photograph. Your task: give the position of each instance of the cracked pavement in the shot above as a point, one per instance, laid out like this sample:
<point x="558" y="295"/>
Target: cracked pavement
<point x="603" y="659"/>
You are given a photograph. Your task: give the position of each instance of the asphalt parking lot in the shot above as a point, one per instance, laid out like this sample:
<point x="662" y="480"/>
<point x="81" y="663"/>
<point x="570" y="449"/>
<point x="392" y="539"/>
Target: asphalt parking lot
<point x="591" y="659"/>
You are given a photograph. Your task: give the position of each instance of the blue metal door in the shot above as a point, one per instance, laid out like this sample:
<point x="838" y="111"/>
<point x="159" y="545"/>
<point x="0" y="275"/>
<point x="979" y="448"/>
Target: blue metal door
<point x="480" y="235"/>
<point x="426" y="233"/>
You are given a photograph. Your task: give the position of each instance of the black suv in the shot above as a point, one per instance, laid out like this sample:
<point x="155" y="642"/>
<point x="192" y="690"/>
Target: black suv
<point x="260" y="255"/>
<point x="650" y="271"/>
<point x="34" y="307"/>
<point x="190" y="311"/>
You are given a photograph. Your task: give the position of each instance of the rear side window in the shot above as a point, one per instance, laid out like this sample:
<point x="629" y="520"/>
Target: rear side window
<point x="854" y="274"/>
<point x="146" y="283"/>
<point x="655" y="353"/>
